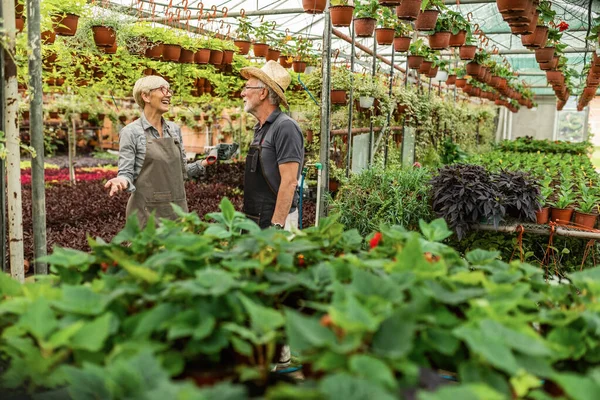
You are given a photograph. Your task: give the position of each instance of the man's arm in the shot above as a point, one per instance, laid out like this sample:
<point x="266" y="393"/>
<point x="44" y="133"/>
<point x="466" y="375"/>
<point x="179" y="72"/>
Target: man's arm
<point x="285" y="195"/>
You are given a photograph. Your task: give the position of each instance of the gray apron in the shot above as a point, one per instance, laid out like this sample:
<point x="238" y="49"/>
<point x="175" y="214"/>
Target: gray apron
<point x="160" y="181"/>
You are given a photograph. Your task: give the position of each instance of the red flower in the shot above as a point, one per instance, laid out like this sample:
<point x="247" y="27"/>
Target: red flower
<point x="563" y="26"/>
<point x="375" y="240"/>
<point x="417" y="165"/>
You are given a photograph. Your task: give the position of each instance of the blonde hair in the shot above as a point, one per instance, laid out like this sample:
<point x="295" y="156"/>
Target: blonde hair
<point x="145" y="85"/>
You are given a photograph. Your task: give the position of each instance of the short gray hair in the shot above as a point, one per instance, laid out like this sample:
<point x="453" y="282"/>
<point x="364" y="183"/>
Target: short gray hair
<point x="145" y="85"/>
<point x="272" y="97"/>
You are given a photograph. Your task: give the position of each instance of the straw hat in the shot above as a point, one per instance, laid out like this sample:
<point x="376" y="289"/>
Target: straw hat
<point x="273" y="75"/>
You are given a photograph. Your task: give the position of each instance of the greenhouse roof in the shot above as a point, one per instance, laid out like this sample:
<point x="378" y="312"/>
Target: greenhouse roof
<point x="289" y="16"/>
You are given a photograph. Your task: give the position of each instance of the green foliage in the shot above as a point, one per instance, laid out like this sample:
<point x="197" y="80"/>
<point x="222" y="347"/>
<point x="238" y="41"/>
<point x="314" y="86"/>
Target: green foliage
<point x="391" y="197"/>
<point x="366" y="9"/>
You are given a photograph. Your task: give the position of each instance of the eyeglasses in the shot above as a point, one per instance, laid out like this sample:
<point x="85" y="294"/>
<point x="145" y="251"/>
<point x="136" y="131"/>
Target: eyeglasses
<point x="165" y="90"/>
<point x="252" y="87"/>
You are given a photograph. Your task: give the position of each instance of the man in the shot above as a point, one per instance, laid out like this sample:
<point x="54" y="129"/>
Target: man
<point x="275" y="157"/>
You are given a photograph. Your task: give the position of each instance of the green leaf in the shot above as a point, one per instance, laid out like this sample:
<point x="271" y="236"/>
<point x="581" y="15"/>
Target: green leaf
<point x="306" y="333"/>
<point x="373" y="370"/>
<point x="81" y="300"/>
<point x="139" y="271"/>
<point x="263" y="320"/>
<point x="394" y="339"/>
<point x="215" y="282"/>
<point x="482" y="257"/>
<point x="436" y="231"/>
<point x="92" y="336"/>
<point x="228" y="210"/>
<point x="493" y="350"/>
<point x="9" y="286"/>
<point x="217" y="232"/>
<point x="462" y="392"/>
<point x="88" y="383"/>
<point x="577" y="387"/>
<point x="64" y="335"/>
<point x="347" y="387"/>
<point x="39" y="319"/>
<point x="153" y="318"/>
<point x="453" y="297"/>
<point x="523" y="382"/>
<point x="527" y="344"/>
<point x="69" y="258"/>
<point x="352" y="316"/>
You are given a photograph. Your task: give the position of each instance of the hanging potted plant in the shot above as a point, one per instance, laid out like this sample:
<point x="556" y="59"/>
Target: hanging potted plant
<point x="285" y="58"/>
<point x="365" y="87"/>
<point x="262" y="35"/>
<point x="341" y="12"/>
<point x="545" y="54"/>
<point x="314" y="6"/>
<point x="278" y="42"/>
<point x="430" y="10"/>
<point x="341" y="82"/>
<point x="402" y="37"/>
<point x="65" y="15"/>
<point x="408" y="10"/>
<point x="242" y="35"/>
<point x="216" y="51"/>
<point x="586" y="212"/>
<point x="301" y="54"/>
<point x="468" y="50"/>
<point x="365" y="17"/>
<point x="459" y="27"/>
<point x="417" y="53"/>
<point x="440" y="39"/>
<point x="387" y="22"/>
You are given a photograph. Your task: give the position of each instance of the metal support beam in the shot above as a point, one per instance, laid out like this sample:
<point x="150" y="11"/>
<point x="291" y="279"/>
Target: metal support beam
<point x="325" y="114"/>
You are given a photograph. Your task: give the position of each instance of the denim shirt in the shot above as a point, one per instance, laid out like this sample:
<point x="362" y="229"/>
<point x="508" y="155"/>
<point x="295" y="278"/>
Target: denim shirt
<point x="132" y="149"/>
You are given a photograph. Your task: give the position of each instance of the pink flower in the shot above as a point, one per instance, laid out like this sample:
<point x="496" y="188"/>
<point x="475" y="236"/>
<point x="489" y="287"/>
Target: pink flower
<point x="417" y="165"/>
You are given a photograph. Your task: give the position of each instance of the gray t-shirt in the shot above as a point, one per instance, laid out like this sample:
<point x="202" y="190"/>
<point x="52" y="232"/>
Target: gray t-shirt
<point x="283" y="145"/>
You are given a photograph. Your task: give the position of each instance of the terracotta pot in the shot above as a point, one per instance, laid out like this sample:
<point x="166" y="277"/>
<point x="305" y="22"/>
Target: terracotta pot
<point x="451" y="80"/>
<point x="432" y="72"/>
<point x="389" y="3"/>
<point x="414" y="62"/>
<point x="439" y="40"/>
<point x="48" y="37"/>
<point x="467" y="52"/>
<point x="562" y="216"/>
<point x="333" y="185"/>
<point x="402" y="43"/>
<point x="273" y="54"/>
<point x="53" y="114"/>
<point x="202" y="56"/>
<point x="299" y="66"/>
<point x="541" y="216"/>
<point x="285" y="62"/>
<point x="512" y="5"/>
<point x="260" y="49"/>
<point x="473" y="68"/>
<point x="408" y="10"/>
<point x="66" y="26"/>
<point x="550" y="65"/>
<point x="341" y="15"/>
<point x="338" y="97"/>
<point x="154" y="51"/>
<point x="364" y="27"/>
<point x="186" y="56"/>
<point x="541" y="36"/>
<point x="110" y="50"/>
<point x="544" y="54"/>
<point x="425" y="67"/>
<point x="19" y="9"/>
<point x="460" y="82"/>
<point x="458" y="40"/>
<point x="19" y="24"/>
<point x="555" y="76"/>
<point x="243" y="46"/>
<point x="216" y="57"/>
<point x="585" y="220"/>
<point x="314" y="6"/>
<point x="426" y="20"/>
<point x="384" y="36"/>
<point x="171" y="52"/>
<point x="104" y="36"/>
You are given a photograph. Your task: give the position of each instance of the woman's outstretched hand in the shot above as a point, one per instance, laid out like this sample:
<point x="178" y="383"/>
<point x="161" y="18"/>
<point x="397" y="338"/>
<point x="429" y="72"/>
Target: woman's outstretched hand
<point x="116" y="185"/>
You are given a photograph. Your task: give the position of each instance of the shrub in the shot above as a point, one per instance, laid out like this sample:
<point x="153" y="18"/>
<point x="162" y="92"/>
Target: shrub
<point x="396" y="196"/>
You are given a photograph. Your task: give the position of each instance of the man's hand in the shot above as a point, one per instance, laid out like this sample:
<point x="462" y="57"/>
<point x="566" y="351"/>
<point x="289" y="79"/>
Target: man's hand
<point x="115" y="185"/>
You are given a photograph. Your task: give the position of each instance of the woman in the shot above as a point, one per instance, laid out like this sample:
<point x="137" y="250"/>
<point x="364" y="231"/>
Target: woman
<point x="152" y="162"/>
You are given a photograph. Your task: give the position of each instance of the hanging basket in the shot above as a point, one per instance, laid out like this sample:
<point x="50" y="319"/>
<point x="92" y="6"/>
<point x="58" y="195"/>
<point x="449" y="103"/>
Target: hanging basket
<point x="186" y="56"/>
<point x="338" y="97"/>
<point x="467" y="52"/>
<point x="384" y="36"/>
<point x="273" y="54"/>
<point x="364" y="27"/>
<point x="110" y="50"/>
<point x="366" y="101"/>
<point x="216" y="57"/>
<point x="408" y="10"/>
<point x="65" y="26"/>
<point x="425" y="67"/>
<point x="414" y="62"/>
<point x="48" y="37"/>
<point x="284" y="61"/>
<point x="243" y="46"/>
<point x="104" y="36"/>
<point x="508" y="6"/>
<point x="154" y="51"/>
<point x="260" y="49"/>
<point x="473" y="68"/>
<point x="227" y="57"/>
<point x="341" y="16"/>
<point x="314" y="6"/>
<point x="402" y="43"/>
<point x="426" y="20"/>
<point x="544" y="54"/>
<point x="451" y="80"/>
<point x="19" y="24"/>
<point x="439" y="40"/>
<point x="458" y="40"/>
<point x="171" y="52"/>
<point x="299" y="66"/>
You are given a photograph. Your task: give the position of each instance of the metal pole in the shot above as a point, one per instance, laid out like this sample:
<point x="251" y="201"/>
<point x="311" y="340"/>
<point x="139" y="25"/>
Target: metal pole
<point x="36" y="129"/>
<point x="389" y="117"/>
<point x="325" y="111"/>
<point x="13" y="156"/>
<point x="370" y="158"/>
<point x="350" y="111"/>
<point x="2" y="172"/>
